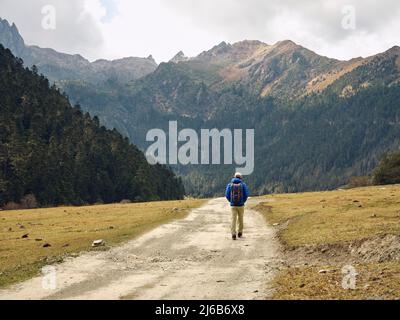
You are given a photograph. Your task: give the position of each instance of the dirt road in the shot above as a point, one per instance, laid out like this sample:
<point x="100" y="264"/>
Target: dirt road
<point x="193" y="258"/>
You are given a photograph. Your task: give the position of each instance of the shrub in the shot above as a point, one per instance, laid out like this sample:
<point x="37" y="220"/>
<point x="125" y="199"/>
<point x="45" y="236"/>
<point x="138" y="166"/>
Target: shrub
<point x="29" y="202"/>
<point x="12" y="206"/>
<point x="388" y="171"/>
<point x="362" y="181"/>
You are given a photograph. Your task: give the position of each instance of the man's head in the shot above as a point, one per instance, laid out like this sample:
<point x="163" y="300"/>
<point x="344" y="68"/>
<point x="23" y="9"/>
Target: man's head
<point x="238" y="175"/>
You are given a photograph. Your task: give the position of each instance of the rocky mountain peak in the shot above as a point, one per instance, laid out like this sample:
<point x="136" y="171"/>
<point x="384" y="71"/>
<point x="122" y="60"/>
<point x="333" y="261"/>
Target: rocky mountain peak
<point x="10" y="37"/>
<point x="151" y="58"/>
<point x="287" y="43"/>
<point x="219" y="50"/>
<point x="60" y="67"/>
<point x="249" y="44"/>
<point x="393" y="51"/>
<point x="179" y="57"/>
<point x="287" y="46"/>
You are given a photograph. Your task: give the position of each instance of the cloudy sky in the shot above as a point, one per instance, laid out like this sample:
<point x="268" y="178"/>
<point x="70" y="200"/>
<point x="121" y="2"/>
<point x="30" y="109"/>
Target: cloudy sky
<point x="117" y="28"/>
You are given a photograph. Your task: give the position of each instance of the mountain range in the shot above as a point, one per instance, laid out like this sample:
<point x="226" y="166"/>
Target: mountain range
<point x="318" y="121"/>
<point x="65" y="67"/>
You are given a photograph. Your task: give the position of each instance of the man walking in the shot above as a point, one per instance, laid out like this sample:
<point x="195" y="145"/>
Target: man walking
<point x="237" y="194"/>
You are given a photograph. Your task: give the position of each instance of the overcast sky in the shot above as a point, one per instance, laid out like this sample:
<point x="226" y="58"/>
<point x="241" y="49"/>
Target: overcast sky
<point x="118" y="28"/>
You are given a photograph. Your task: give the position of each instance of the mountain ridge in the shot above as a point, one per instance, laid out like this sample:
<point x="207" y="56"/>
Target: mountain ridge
<point x="318" y="120"/>
<point x="284" y="69"/>
<point x="60" y="66"/>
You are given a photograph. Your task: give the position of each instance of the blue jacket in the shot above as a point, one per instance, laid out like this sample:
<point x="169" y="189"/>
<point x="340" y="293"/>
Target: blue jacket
<point x="245" y="192"/>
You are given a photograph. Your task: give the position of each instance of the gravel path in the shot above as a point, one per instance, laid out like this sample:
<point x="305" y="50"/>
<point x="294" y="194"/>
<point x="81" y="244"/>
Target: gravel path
<point x="193" y="258"/>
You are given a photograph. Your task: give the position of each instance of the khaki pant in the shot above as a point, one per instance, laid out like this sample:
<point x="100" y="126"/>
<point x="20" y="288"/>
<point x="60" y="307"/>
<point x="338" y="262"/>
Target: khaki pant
<point x="237" y="218"/>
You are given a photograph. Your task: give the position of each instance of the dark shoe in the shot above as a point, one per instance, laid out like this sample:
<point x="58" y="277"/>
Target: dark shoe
<point x="240" y="234"/>
<point x="234" y="237"/>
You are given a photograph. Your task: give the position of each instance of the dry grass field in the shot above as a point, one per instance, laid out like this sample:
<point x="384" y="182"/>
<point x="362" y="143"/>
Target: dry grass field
<point x="30" y="239"/>
<point x="321" y="232"/>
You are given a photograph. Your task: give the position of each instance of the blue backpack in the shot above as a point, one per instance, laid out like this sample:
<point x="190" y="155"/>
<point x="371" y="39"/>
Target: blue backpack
<point x="236" y="193"/>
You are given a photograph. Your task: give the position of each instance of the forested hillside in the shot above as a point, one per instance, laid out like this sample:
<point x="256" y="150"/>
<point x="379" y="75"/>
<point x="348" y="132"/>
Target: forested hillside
<point x="60" y="155"/>
<point x="316" y="142"/>
<point x="318" y="121"/>
<point x="320" y="141"/>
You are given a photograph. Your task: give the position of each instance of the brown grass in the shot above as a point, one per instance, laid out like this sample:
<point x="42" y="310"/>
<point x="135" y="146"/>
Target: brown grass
<point x="71" y="230"/>
<point x="374" y="281"/>
<point x="329" y="217"/>
<point x="326" y="218"/>
<point x="323" y="81"/>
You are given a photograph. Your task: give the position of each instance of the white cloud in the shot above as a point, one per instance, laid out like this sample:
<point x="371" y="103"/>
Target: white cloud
<point x="316" y="24"/>
<point x="77" y="30"/>
<point x="164" y="27"/>
<point x="94" y="8"/>
<point x="151" y="27"/>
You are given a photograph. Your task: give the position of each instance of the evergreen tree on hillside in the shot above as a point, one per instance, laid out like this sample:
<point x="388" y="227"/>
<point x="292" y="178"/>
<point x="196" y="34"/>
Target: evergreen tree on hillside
<point x="388" y="171"/>
<point x="60" y="155"/>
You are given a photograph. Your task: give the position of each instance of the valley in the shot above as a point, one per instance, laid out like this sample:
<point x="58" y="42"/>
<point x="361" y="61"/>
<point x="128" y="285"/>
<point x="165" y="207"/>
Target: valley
<point x="318" y="121"/>
<point x="295" y="246"/>
<point x="259" y="162"/>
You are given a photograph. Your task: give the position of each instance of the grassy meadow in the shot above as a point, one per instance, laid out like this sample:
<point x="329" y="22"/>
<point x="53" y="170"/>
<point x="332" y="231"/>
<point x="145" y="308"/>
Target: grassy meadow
<point x="318" y="219"/>
<point x="30" y="239"/>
